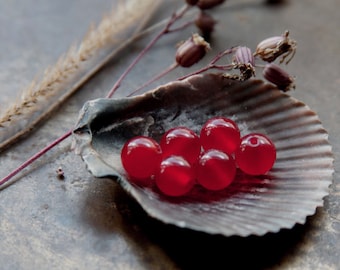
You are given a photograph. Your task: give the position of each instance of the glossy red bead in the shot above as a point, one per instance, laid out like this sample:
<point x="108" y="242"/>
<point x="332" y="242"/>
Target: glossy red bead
<point x="220" y="133"/>
<point x="175" y="176"/>
<point x="141" y="157"/>
<point x="256" y="154"/>
<point x="215" y="170"/>
<point x="181" y="141"/>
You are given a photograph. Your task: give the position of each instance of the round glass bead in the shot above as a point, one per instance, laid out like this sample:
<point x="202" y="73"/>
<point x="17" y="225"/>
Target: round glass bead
<point x="141" y="157"/>
<point x="256" y="154"/>
<point x="220" y="133"/>
<point x="215" y="170"/>
<point x="175" y="176"/>
<point x="181" y="141"/>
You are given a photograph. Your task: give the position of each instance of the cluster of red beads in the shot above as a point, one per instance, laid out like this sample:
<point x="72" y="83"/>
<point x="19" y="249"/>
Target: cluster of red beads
<point x="182" y="158"/>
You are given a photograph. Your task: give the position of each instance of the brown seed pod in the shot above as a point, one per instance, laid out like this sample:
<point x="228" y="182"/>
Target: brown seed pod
<point x="207" y="4"/>
<point x="276" y="75"/>
<point x="191" y="51"/>
<point x="271" y="48"/>
<point x="243" y="60"/>
<point x="205" y="23"/>
<point x="191" y="2"/>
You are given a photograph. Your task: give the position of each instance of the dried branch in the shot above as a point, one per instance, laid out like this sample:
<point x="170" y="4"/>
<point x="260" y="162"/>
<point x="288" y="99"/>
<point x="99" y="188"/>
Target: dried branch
<point x="73" y="69"/>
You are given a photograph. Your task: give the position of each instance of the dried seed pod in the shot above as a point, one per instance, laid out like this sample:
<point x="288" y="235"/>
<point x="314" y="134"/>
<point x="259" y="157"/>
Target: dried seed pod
<point x="271" y="48"/>
<point x="205" y="23"/>
<point x="191" y="51"/>
<point x="243" y="60"/>
<point x="207" y="4"/>
<point x="276" y="75"/>
<point x="191" y="2"/>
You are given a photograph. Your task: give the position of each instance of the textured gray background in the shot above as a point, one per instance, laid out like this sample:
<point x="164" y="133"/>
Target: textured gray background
<point x="86" y="223"/>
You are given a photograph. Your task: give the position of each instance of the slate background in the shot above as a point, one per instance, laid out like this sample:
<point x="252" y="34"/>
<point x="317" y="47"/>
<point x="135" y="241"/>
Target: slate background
<point x="86" y="223"/>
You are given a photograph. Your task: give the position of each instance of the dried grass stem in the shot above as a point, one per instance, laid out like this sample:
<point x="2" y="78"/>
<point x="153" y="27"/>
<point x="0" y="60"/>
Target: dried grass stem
<point x="73" y="69"/>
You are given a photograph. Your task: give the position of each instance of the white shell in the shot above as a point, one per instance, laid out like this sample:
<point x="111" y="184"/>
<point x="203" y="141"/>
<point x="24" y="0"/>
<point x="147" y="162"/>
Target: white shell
<point x="290" y="192"/>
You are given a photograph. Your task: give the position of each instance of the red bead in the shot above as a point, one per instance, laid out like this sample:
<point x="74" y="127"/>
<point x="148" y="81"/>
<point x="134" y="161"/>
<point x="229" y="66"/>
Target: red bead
<point x="215" y="170"/>
<point x="181" y="141"/>
<point x="175" y="177"/>
<point x="141" y="157"/>
<point x="256" y="154"/>
<point x="220" y="133"/>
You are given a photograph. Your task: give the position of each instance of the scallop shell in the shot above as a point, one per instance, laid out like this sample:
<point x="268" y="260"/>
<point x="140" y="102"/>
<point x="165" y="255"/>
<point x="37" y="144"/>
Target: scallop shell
<point x="290" y="192"/>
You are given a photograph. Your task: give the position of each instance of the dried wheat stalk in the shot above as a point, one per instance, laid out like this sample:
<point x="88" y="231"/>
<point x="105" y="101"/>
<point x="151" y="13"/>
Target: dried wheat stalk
<point x="73" y="69"/>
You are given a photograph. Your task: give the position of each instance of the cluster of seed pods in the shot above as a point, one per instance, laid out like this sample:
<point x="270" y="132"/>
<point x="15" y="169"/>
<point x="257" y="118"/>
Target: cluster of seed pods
<point x="193" y="50"/>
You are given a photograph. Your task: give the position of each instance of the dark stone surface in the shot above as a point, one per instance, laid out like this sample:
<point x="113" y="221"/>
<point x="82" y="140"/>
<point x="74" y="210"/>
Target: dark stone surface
<point x="86" y="223"/>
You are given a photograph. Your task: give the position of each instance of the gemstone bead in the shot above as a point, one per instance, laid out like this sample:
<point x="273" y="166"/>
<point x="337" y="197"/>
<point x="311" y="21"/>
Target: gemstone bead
<point x="215" y="170"/>
<point x="181" y="141"/>
<point x="220" y="133"/>
<point x="141" y="157"/>
<point x="175" y="176"/>
<point x="256" y="154"/>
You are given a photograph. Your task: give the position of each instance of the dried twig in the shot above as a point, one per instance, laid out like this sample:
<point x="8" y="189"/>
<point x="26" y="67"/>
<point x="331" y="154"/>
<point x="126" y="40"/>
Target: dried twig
<point x="72" y="70"/>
